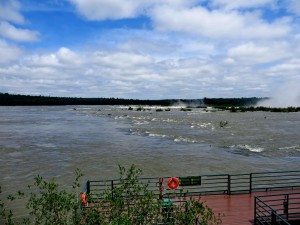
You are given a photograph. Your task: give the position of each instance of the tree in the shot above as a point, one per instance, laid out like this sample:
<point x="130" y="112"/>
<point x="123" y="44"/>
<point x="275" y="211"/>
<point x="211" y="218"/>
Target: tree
<point x="130" y="202"/>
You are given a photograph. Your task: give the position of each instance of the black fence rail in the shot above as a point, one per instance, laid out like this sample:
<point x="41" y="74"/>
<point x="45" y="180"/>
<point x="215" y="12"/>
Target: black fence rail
<point x="208" y="184"/>
<point x="277" y="209"/>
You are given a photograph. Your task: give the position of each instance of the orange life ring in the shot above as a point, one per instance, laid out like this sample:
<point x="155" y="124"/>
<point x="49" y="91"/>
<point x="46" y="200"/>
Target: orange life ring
<point x="83" y="199"/>
<point x="173" y="182"/>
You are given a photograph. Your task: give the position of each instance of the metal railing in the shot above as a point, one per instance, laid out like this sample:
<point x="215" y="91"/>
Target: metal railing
<point x="283" y="209"/>
<point x="210" y="184"/>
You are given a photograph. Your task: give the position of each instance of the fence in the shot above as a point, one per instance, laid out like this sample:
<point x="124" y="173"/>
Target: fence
<point x="281" y="209"/>
<point x="209" y="184"/>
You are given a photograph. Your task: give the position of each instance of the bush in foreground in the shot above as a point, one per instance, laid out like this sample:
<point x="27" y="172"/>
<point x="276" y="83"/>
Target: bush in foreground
<point x="131" y="202"/>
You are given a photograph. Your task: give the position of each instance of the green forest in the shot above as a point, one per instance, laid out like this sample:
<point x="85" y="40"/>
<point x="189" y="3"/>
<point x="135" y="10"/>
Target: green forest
<point x="29" y="100"/>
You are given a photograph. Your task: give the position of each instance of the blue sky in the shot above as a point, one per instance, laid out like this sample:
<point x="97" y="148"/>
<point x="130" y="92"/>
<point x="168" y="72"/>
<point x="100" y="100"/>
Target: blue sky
<point x="150" y="49"/>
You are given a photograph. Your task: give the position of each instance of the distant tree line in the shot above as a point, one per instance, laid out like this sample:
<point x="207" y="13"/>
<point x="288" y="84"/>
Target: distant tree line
<point x="225" y="102"/>
<point x="262" y="108"/>
<point x="28" y="100"/>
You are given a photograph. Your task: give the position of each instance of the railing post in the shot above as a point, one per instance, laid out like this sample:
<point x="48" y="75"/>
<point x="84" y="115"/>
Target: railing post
<point x="250" y="183"/>
<point x="88" y="187"/>
<point x="228" y="184"/>
<point x="286" y="206"/>
<point x="273" y="218"/>
<point x="255" y="210"/>
<point x="112" y="188"/>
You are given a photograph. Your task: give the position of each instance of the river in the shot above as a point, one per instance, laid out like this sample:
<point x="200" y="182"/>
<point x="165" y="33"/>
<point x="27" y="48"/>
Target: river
<point x="54" y="141"/>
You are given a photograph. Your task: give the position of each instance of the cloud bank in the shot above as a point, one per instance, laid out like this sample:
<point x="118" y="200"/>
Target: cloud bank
<point x="180" y="49"/>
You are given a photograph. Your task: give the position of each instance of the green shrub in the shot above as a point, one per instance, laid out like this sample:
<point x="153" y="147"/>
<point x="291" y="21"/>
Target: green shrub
<point x="129" y="203"/>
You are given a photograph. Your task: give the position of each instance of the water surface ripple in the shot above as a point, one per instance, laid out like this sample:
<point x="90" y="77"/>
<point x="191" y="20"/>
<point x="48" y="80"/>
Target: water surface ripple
<point x="53" y="141"/>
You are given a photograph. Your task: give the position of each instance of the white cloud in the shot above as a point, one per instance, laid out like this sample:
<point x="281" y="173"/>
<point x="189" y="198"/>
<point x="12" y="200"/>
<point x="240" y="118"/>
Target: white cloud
<point x="106" y="9"/>
<point x="9" y="10"/>
<point x="92" y="65"/>
<point x="218" y="24"/>
<point x="118" y="74"/>
<point x="293" y="6"/>
<point x="64" y="57"/>
<point x="67" y="56"/>
<point x="9" y="31"/>
<point x="289" y="68"/>
<point x="192" y="52"/>
<point x="132" y="75"/>
<point x="10" y="13"/>
<point x="147" y="46"/>
<point x="8" y="52"/>
<point x="250" y="53"/>
<point x="121" y="59"/>
<point x="233" y="4"/>
<point x="119" y="9"/>
<point x="45" y="60"/>
<point x="197" y="47"/>
<point x="189" y="17"/>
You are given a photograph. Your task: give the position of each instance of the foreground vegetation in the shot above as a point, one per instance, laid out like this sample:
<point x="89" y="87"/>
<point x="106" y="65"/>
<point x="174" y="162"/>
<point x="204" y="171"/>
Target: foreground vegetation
<point x="131" y="202"/>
